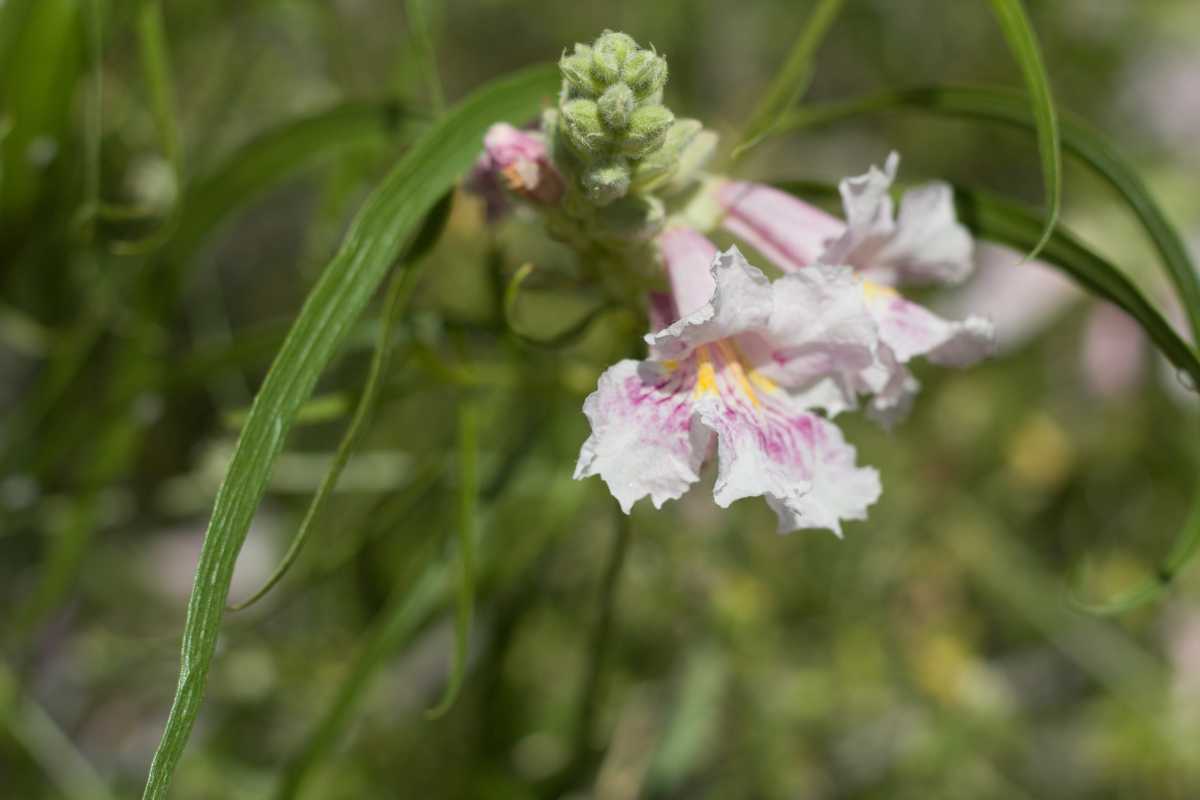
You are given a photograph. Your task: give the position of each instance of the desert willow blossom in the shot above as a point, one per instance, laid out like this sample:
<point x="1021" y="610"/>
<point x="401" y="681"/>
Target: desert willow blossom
<point x="740" y="369"/>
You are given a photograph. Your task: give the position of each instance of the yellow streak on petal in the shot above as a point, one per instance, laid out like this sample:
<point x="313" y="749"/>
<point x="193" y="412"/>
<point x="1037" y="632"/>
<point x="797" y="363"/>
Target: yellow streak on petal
<point x="670" y="365"/>
<point x="706" y="376"/>
<point x="877" y="291"/>
<point x="734" y="365"/>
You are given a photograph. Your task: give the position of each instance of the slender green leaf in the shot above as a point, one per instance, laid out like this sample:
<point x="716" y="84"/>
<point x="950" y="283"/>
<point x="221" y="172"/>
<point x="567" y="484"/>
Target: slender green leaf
<point x="793" y="79"/>
<point x="1003" y="221"/>
<point x="420" y="25"/>
<point x="1078" y="139"/>
<point x="468" y="513"/>
<point x="385" y="224"/>
<point x="1018" y="31"/>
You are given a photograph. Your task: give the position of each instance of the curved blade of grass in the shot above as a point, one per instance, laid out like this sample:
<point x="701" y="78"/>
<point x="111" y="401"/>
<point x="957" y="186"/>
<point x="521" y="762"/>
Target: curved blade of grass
<point x="421" y="32"/>
<point x="399" y="291"/>
<point x="382" y="227"/>
<point x="1018" y="31"/>
<point x="1078" y="139"/>
<point x="468" y="512"/>
<point x="993" y="218"/>
<point x="567" y="336"/>
<point x="793" y="79"/>
<point x="1001" y="220"/>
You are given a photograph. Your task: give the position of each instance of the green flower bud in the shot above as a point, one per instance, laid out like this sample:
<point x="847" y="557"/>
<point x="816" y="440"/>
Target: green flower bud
<point x="606" y="69"/>
<point x="648" y="128"/>
<point x="606" y="180"/>
<point x="576" y="72"/>
<point x="645" y="72"/>
<point x="616" y="46"/>
<point x="616" y="106"/>
<point x="660" y="165"/>
<point x="581" y="120"/>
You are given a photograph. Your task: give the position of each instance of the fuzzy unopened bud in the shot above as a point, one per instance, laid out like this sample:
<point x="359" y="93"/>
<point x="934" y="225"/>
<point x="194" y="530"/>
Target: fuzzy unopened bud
<point x="645" y="72"/>
<point x="648" y="126"/>
<point x="607" y="180"/>
<point x="576" y="71"/>
<point x="581" y="118"/>
<point x="616" y="106"/>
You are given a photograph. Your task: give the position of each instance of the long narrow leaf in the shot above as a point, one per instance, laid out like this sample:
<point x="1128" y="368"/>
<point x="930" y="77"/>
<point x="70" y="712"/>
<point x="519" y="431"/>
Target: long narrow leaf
<point x="1078" y="138"/>
<point x="793" y="78"/>
<point x="386" y="222"/>
<point x="993" y="218"/>
<point x="1018" y="31"/>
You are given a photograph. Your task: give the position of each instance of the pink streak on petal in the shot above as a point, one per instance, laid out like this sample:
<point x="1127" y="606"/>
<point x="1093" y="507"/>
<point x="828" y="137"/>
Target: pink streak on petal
<point x="688" y="256"/>
<point x="786" y="230"/>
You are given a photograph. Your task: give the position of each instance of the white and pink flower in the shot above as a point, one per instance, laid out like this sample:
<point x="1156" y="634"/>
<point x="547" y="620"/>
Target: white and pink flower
<point x="723" y="374"/>
<point x="923" y="244"/>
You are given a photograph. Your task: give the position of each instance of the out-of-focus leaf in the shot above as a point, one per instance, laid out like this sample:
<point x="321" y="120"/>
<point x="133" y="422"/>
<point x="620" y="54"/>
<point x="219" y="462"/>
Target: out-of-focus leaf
<point x="421" y="32"/>
<point x="1022" y="40"/>
<point x="1078" y="139"/>
<point x="279" y="153"/>
<point x="385" y="224"/>
<point x="40" y="62"/>
<point x="468" y="512"/>
<point x="793" y="79"/>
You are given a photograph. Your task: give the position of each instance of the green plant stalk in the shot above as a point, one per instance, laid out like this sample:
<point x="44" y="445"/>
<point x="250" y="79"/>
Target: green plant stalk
<point x="468" y="514"/>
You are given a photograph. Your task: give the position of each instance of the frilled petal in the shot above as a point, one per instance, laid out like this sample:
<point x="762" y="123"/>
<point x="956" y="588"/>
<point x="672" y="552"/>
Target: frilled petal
<point x="820" y="324"/>
<point x="786" y="230"/>
<point x="643" y="441"/>
<point x="910" y="330"/>
<point x="738" y="294"/>
<point x="768" y="445"/>
<point x="925" y="244"/>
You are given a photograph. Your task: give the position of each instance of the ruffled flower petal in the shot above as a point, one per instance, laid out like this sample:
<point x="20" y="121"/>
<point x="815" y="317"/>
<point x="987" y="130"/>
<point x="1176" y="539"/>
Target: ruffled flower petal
<point x="788" y="231"/>
<point x="820" y="324"/>
<point x="910" y="330"/>
<point x="643" y="442"/>
<point x="924" y="244"/>
<point x="769" y="446"/>
<point x="738" y="295"/>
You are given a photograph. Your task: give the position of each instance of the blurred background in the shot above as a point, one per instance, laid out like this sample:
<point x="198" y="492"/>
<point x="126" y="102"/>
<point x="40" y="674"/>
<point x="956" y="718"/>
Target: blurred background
<point x="933" y="652"/>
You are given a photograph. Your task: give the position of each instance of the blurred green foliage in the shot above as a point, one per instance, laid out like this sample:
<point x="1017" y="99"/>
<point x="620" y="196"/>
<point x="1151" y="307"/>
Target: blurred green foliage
<point x="931" y="653"/>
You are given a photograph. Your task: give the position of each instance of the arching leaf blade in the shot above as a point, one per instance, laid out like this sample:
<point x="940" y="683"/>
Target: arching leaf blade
<point x="386" y="222"/>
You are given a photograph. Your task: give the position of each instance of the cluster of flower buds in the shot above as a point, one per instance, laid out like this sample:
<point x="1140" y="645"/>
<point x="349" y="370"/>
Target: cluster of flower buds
<point x="619" y="137"/>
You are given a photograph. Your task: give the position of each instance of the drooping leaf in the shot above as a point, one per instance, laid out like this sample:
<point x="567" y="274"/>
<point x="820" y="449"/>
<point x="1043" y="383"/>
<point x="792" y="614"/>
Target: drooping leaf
<point x="385" y="224"/>
<point x="991" y="217"/>
<point x="1078" y="138"/>
<point x="1018" y="32"/>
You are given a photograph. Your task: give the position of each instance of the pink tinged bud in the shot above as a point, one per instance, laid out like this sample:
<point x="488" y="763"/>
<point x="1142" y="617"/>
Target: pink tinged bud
<point x="790" y="232"/>
<point x="1114" y="353"/>
<point x="518" y="161"/>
